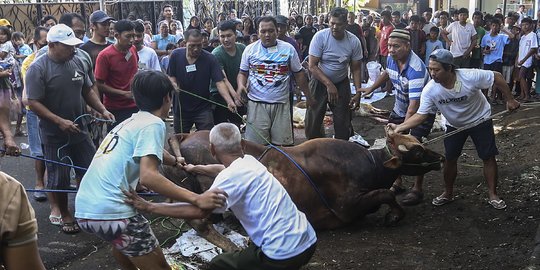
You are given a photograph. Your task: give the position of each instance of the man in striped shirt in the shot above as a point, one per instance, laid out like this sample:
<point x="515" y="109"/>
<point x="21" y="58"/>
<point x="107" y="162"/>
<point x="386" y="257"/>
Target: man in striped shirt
<point x="408" y="75"/>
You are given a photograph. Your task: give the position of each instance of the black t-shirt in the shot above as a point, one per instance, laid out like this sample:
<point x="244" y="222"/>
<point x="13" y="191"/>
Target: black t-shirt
<point x="93" y="50"/>
<point x="194" y="78"/>
<point x="355" y="29"/>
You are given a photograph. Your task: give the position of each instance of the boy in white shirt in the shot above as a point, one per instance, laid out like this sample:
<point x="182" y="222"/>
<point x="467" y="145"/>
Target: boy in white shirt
<point x="528" y="45"/>
<point x="462" y="38"/>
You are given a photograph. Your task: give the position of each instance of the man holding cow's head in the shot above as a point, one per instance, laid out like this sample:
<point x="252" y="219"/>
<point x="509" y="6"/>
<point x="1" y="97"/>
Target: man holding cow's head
<point x="281" y="234"/>
<point x="457" y="94"/>
<point x="409" y="75"/>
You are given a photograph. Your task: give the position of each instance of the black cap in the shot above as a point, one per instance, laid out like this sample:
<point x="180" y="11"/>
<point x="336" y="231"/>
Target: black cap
<point x="99" y="16"/>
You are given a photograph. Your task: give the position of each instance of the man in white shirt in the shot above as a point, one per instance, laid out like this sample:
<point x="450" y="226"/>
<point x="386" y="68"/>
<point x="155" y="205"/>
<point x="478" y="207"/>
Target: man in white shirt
<point x="281" y="234"/>
<point x="462" y="39"/>
<point x="148" y="59"/>
<point x="457" y="94"/>
<point x="528" y="45"/>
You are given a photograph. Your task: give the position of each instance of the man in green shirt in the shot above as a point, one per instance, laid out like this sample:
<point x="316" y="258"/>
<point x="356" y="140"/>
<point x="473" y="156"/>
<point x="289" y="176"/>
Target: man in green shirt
<point x="229" y="55"/>
<point x="476" y="57"/>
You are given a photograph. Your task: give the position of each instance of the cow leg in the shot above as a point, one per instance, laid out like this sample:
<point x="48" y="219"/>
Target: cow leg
<point x="208" y="232"/>
<point x="374" y="199"/>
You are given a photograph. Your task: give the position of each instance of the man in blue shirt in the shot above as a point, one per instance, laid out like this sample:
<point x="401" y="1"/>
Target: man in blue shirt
<point x="493" y="48"/>
<point x="160" y="41"/>
<point x="408" y="75"/>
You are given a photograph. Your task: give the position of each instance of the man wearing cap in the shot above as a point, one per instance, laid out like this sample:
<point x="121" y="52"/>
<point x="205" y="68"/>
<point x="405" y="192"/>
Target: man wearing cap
<point x="408" y="74"/>
<point x="282" y="28"/>
<point x="115" y="68"/>
<point x="57" y="83"/>
<point x="99" y="21"/>
<point x="457" y="94"/>
<point x="461" y="35"/>
<point x="5" y="22"/>
<point x="332" y="51"/>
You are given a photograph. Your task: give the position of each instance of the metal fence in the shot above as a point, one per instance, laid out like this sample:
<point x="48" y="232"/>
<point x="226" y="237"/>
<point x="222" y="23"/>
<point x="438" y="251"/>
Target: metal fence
<point x="26" y="16"/>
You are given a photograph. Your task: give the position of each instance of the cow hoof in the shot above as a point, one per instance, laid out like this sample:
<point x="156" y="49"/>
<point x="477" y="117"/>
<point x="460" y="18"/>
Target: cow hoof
<point x="392" y="218"/>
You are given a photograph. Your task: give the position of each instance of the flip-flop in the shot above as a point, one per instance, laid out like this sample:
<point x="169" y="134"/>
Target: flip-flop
<point x="70" y="227"/>
<point x="497" y="204"/>
<point x="440" y="200"/>
<point x="40" y="196"/>
<point x="413" y="197"/>
<point x="56" y="220"/>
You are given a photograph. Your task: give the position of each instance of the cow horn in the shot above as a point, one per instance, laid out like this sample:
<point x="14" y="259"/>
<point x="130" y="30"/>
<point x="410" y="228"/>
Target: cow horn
<point x="402" y="148"/>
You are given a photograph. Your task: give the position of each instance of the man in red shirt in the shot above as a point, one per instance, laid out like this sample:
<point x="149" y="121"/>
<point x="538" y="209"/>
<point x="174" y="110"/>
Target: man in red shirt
<point x="115" y="68"/>
<point x="387" y="28"/>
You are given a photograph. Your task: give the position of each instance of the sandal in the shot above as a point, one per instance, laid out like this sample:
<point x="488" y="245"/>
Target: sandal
<point x="413" y="197"/>
<point x="56" y="220"/>
<point x="70" y="227"/>
<point x="441" y="200"/>
<point x="497" y="204"/>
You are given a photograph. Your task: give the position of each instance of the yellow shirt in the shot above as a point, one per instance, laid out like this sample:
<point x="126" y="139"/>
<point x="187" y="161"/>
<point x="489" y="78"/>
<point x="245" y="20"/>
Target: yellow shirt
<point x="24" y="67"/>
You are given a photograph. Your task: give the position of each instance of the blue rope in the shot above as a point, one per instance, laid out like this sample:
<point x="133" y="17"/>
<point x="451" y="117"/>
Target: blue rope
<point x="75" y="191"/>
<point x="317" y="190"/>
<point x="50" y="161"/>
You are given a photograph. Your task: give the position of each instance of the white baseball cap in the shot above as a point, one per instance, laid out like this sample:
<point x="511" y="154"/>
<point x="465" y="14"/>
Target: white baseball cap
<point x="63" y="34"/>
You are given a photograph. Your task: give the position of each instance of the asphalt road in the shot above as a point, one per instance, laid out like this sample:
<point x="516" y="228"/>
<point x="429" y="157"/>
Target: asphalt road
<point x="55" y="247"/>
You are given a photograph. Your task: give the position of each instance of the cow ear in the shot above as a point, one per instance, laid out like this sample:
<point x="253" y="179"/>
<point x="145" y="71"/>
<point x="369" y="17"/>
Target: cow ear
<point x="392" y="163"/>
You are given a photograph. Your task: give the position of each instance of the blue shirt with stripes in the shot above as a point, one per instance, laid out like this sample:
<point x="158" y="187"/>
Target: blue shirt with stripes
<point x="408" y="82"/>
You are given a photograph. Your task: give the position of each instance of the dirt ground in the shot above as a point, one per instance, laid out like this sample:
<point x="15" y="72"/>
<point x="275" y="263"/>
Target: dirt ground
<point x="465" y="234"/>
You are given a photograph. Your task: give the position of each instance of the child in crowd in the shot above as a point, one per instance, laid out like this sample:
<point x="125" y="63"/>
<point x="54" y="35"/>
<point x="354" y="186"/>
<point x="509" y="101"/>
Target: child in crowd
<point x="22" y="50"/>
<point x="492" y="48"/>
<point x="433" y="43"/>
<point x="165" y="59"/>
<point x="509" y="57"/>
<point x="418" y="37"/>
<point x="253" y="38"/>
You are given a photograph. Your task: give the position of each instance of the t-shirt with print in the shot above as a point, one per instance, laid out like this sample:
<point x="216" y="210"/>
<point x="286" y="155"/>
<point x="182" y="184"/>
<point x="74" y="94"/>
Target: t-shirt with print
<point x="115" y="167"/>
<point x="93" y="49"/>
<point x="408" y="83"/>
<point x="59" y="87"/>
<point x="270" y="70"/>
<point x="81" y="54"/>
<point x="194" y="78"/>
<point x="465" y="103"/>
<point x="335" y="55"/>
<point x="461" y="37"/>
<point x="265" y="209"/>
<point x="496" y="45"/>
<point x="526" y="43"/>
<point x="19" y="224"/>
<point x="148" y="59"/>
<point x="117" y="69"/>
<point x="229" y="64"/>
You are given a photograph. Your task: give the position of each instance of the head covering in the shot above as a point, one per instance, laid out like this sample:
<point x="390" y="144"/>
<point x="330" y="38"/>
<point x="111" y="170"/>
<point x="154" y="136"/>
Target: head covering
<point x="401" y="33"/>
<point x="4" y="22"/>
<point x="442" y="56"/>
<point x="99" y="16"/>
<point x="280" y="19"/>
<point x="63" y="34"/>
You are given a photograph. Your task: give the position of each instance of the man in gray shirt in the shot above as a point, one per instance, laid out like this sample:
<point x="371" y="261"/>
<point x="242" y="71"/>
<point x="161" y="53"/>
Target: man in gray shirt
<point x="331" y="52"/>
<point x="57" y="83"/>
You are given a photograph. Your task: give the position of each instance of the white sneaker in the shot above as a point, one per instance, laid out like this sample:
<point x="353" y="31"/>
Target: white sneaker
<point x="357" y="138"/>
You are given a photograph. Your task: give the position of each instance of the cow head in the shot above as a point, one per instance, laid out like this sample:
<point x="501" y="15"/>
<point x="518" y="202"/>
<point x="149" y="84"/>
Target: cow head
<point x="410" y="156"/>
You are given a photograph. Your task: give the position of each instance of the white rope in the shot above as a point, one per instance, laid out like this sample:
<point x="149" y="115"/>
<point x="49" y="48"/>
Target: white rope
<point x="479" y="121"/>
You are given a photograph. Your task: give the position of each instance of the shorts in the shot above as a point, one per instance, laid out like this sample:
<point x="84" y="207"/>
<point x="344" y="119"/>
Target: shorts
<point x="130" y="236"/>
<point x="34" y="136"/>
<point x="269" y="122"/>
<point x="526" y="72"/>
<point x="495" y="66"/>
<point x="80" y="153"/>
<point x="507" y="73"/>
<point x="418" y="132"/>
<point x="482" y="136"/>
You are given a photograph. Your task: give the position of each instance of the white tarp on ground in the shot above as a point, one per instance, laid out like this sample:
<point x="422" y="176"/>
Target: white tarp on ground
<point x="193" y="247"/>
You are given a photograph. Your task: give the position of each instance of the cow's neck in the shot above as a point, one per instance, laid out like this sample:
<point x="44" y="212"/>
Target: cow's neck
<point x="385" y="175"/>
<point x="253" y="149"/>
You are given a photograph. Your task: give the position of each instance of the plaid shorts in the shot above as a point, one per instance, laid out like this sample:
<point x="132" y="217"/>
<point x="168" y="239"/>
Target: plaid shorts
<point x="131" y="236"/>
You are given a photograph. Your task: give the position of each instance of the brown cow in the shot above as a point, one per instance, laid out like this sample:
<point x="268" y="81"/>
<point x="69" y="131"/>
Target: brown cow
<point x="352" y="181"/>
